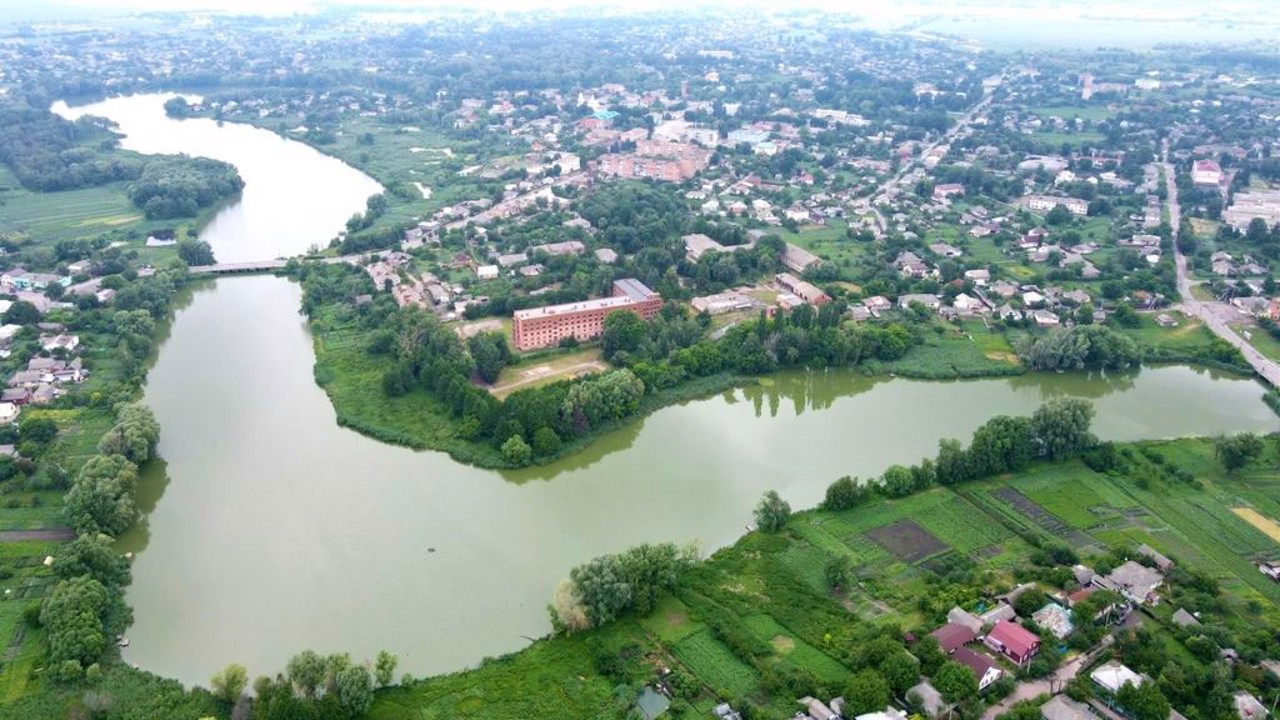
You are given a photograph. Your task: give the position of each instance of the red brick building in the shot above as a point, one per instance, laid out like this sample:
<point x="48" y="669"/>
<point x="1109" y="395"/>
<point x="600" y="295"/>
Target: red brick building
<point x="547" y="326"/>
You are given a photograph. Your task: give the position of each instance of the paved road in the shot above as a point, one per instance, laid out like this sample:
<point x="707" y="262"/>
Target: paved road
<point x="1205" y="311"/>
<point x="951" y="132"/>
<point x="1047" y="686"/>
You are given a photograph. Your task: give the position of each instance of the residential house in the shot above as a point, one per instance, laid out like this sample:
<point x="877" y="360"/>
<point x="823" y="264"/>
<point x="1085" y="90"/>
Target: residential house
<point x="983" y="667"/>
<point x="888" y="713"/>
<point x="725" y="711"/>
<point x="607" y="256"/>
<point x="1013" y="641"/>
<point x="999" y="613"/>
<point x="946" y="190"/>
<point x="952" y="636"/>
<point x="44" y="395"/>
<point x="1061" y="707"/>
<point x="797" y="259"/>
<point x="1046" y="203"/>
<point x="1044" y="318"/>
<point x="806" y="291"/>
<point x="929" y="300"/>
<point x="818" y="710"/>
<point x="1163" y="564"/>
<point x="968" y="305"/>
<point x="16" y="395"/>
<point x="1247" y="706"/>
<point x="928" y="699"/>
<point x="1206" y="173"/>
<point x="1054" y="618"/>
<point x="877" y="304"/>
<point x="9" y="412"/>
<point x="487" y="272"/>
<point x="1113" y="675"/>
<point x="1182" y="618"/>
<point x="979" y="276"/>
<point x="946" y="251"/>
<point x="1135" y="581"/>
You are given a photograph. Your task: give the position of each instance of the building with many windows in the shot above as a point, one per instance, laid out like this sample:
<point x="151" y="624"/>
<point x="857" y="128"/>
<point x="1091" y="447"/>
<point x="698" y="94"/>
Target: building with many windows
<point x="547" y="326"/>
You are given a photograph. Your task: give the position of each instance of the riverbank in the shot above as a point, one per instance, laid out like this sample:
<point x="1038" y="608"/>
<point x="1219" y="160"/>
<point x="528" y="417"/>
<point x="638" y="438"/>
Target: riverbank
<point x="354" y="376"/>
<point x="759" y="625"/>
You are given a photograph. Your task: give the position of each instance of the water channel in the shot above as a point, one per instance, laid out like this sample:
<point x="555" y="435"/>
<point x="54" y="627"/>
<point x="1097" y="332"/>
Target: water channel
<point x="272" y="530"/>
<point x="294" y="197"/>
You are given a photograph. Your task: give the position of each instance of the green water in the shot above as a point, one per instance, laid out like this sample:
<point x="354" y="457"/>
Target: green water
<point x="279" y="531"/>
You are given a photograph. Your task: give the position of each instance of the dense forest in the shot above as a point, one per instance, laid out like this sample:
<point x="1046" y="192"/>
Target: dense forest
<point x="181" y="186"/>
<point x="48" y="153"/>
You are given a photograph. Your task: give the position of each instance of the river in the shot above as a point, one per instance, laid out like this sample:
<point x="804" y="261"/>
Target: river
<point x="270" y="529"/>
<point x="293" y="198"/>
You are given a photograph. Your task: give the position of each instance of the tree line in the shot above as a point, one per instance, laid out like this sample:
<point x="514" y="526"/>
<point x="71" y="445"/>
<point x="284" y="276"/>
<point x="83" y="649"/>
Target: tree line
<point x="48" y="153"/>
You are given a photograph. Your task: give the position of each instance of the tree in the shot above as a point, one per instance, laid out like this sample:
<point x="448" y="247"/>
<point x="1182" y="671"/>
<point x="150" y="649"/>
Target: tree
<point x="93" y="556"/>
<point x="844" y="493"/>
<point x="772" y="513"/>
<point x="867" y="691"/>
<point x="624" y="331"/>
<point x="897" y="481"/>
<point x="955" y="681"/>
<point x="101" y="498"/>
<point x="837" y="570"/>
<point x="1145" y="701"/>
<point x="901" y="671"/>
<point x="355" y="690"/>
<point x="21" y="312"/>
<point x="195" y="252"/>
<point x="306" y="671"/>
<point x="952" y="466"/>
<point x="1062" y="427"/>
<point x="930" y="654"/>
<point x="516" y="452"/>
<point x="1059" y="215"/>
<point x="229" y="683"/>
<point x="1237" y="451"/>
<point x="72" y="616"/>
<point x="134" y="435"/>
<point x="385" y="668"/>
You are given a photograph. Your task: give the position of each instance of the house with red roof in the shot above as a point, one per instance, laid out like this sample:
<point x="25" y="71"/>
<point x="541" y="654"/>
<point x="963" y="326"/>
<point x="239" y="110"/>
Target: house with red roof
<point x="1013" y="641"/>
<point x="1206" y="173"/>
<point x="952" y="636"/>
<point x="984" y="669"/>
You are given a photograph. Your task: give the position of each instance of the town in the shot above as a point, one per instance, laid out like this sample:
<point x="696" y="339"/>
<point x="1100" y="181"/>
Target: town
<point x="559" y="283"/>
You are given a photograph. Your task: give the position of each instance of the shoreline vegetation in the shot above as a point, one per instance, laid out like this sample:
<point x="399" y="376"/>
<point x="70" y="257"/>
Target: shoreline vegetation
<point x="818" y="602"/>
<point x="400" y="376"/>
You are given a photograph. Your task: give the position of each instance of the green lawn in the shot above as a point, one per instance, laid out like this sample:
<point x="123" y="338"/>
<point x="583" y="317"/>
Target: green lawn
<point x="1067" y="112"/>
<point x="1261" y="340"/>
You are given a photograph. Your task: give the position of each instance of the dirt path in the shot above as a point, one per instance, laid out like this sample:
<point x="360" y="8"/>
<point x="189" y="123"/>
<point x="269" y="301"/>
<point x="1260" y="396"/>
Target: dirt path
<point x="558" y="374"/>
<point x="54" y="534"/>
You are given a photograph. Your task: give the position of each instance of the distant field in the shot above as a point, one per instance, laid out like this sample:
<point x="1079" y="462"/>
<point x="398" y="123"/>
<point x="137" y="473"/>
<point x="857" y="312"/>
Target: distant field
<point x="69" y="214"/>
<point x="1067" y="112"/>
<point x="1072" y="138"/>
<point x="1268" y="526"/>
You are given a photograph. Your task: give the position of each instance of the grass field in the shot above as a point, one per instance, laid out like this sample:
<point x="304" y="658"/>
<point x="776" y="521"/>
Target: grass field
<point x="1268" y="526"/>
<point x="544" y="371"/>
<point x="70" y="214"/>
<point x="1075" y="139"/>
<point x="1261" y="340"/>
<point x="772" y="587"/>
<point x="1067" y="112"/>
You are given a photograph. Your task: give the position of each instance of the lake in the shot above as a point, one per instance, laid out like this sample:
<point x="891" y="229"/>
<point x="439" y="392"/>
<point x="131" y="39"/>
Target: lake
<point x="270" y="529"/>
<point x="294" y="197"/>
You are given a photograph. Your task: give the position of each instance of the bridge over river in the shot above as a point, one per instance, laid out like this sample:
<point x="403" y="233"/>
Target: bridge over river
<point x="261" y="266"/>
